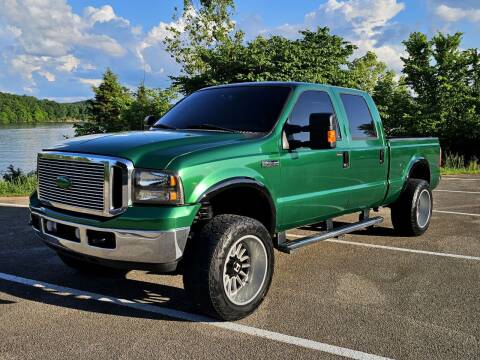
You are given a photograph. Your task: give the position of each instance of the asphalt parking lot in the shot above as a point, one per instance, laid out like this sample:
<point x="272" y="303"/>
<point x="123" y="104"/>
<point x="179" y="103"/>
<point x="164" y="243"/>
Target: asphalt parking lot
<point x="369" y="294"/>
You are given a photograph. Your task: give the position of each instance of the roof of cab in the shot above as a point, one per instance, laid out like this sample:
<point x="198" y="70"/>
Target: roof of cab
<point x="278" y="83"/>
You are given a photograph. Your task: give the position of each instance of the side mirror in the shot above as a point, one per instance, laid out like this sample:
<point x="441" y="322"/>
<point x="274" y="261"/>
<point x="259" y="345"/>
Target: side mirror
<point x="149" y="121"/>
<point x="323" y="131"/>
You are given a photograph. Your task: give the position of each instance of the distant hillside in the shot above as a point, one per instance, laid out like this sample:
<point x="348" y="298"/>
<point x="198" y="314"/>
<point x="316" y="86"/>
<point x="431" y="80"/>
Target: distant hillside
<point x="28" y="109"/>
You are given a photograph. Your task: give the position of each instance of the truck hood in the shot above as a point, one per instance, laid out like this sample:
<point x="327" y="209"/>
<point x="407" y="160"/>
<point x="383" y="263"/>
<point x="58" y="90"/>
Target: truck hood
<point x="149" y="149"/>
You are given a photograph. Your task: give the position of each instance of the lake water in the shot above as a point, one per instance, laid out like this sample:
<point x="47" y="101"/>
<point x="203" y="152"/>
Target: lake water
<point x="19" y="144"/>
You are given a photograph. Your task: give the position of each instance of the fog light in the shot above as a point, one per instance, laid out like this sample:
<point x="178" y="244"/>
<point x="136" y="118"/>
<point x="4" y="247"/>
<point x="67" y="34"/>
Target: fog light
<point x="51" y="226"/>
<point x="101" y="239"/>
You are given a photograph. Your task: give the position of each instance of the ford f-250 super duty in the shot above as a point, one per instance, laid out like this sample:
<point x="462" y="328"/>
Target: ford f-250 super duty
<point x="211" y="188"/>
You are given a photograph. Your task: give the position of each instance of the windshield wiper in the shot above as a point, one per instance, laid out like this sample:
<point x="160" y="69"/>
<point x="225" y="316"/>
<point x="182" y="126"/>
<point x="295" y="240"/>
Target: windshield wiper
<point x="208" y="127"/>
<point x="163" y="126"/>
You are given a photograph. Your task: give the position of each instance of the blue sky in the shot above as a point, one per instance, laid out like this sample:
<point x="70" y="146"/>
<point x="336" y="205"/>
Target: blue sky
<point x="58" y="49"/>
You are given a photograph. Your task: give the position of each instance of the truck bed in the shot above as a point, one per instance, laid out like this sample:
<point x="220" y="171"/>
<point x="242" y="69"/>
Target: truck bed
<point x="403" y="152"/>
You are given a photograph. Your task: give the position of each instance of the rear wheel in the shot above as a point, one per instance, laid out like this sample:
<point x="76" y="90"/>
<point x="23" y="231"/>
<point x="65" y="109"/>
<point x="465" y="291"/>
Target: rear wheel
<point x="412" y="212"/>
<point x="228" y="267"/>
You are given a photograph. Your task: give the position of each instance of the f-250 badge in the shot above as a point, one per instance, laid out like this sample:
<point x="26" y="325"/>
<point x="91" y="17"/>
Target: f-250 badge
<point x="270" y="163"/>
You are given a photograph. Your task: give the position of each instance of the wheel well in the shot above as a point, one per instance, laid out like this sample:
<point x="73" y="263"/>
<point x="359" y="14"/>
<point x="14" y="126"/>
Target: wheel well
<point x="420" y="170"/>
<point x="244" y="200"/>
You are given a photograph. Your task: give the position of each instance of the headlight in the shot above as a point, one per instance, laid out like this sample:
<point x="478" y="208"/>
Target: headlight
<point x="157" y="187"/>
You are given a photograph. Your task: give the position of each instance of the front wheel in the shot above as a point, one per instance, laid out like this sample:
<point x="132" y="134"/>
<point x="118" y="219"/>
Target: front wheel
<point x="228" y="267"/>
<point x="412" y="212"/>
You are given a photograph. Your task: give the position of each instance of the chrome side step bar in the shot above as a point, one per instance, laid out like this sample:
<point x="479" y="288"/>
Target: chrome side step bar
<point x="290" y="246"/>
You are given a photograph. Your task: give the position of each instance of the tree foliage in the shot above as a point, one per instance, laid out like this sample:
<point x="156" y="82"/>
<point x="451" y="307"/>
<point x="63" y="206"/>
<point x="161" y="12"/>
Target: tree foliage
<point x="107" y="107"/>
<point x="148" y="101"/>
<point x="317" y="56"/>
<point x="115" y="108"/>
<point x="444" y="81"/>
<point x="28" y="109"/>
<point x="200" y="27"/>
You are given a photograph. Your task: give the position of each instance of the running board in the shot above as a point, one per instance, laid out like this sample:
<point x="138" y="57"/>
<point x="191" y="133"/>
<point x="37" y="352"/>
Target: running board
<point x="289" y="246"/>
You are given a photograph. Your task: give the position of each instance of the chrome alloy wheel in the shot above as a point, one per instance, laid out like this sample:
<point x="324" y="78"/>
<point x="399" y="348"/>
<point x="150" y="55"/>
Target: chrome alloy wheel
<point x="245" y="270"/>
<point x="424" y="208"/>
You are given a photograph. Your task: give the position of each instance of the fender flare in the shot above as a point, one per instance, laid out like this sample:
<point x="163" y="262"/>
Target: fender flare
<point x="237" y="182"/>
<point x="417" y="162"/>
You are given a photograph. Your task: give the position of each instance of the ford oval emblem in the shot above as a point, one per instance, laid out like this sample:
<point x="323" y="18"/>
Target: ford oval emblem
<point x="63" y="182"/>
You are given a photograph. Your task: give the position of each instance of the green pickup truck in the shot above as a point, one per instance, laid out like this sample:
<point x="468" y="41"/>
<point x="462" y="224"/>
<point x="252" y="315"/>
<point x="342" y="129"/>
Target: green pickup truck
<point x="211" y="188"/>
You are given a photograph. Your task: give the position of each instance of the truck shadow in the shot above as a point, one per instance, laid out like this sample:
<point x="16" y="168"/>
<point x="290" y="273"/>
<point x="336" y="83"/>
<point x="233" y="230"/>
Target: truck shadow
<point x="372" y="231"/>
<point x="3" y="302"/>
<point x="23" y="255"/>
<point x="110" y="302"/>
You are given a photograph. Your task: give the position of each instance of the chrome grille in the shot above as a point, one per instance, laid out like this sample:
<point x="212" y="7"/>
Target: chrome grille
<point x="88" y="182"/>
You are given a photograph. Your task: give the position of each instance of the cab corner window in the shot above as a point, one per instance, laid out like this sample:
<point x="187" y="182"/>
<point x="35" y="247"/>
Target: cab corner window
<point x="360" y="119"/>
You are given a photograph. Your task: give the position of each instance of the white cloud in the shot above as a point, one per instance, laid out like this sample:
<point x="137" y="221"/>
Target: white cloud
<point x="68" y="63"/>
<point x="67" y="99"/>
<point x="360" y="21"/>
<point x="102" y="15"/>
<point x="454" y="14"/>
<point x="50" y="28"/>
<point x="90" y="82"/>
<point x="151" y="52"/>
<point x="26" y="65"/>
<point x="29" y="89"/>
<point x="366" y="17"/>
<point x="47" y="34"/>
<point x="47" y="75"/>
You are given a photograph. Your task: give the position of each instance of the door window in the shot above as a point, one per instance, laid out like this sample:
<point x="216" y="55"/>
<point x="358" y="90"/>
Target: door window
<point x="360" y="120"/>
<point x="309" y="102"/>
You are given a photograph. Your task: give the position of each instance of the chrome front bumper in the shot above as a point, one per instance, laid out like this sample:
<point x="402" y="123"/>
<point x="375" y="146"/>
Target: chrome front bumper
<point x="132" y="246"/>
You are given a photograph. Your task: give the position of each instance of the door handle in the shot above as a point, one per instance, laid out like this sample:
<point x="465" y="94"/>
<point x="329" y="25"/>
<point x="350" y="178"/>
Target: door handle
<point x="382" y="156"/>
<point x="346" y="158"/>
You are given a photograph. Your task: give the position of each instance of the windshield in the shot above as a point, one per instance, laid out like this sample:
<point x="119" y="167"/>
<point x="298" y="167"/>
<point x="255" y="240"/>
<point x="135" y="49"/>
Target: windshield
<point x="239" y="108"/>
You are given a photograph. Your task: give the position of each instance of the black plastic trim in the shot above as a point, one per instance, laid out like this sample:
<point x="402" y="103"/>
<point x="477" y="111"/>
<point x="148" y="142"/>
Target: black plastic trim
<point x="241" y="182"/>
<point x="422" y="161"/>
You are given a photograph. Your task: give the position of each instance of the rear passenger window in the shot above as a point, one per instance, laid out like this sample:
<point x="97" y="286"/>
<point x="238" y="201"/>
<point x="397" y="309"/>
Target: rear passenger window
<point x="359" y="118"/>
<point x="309" y="102"/>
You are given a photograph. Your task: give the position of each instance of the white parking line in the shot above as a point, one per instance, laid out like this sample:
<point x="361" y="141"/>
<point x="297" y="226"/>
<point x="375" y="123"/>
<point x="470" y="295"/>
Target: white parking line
<point x="355" y="243"/>
<point x="244" y="329"/>
<point x="458" y="191"/>
<point x="14" y="205"/>
<point x="454" y="213"/>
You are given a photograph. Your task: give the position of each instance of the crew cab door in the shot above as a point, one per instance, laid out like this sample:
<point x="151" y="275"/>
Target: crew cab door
<point x="313" y="182"/>
<point x="368" y="165"/>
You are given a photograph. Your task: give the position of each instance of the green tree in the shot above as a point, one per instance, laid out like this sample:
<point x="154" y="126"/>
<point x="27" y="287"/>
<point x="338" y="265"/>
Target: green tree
<point x="199" y="27"/>
<point x="317" y="56"/>
<point x="395" y="105"/>
<point x="148" y="102"/>
<point x="107" y="109"/>
<point x="444" y="80"/>
<point x="15" y="108"/>
<point x="365" y="72"/>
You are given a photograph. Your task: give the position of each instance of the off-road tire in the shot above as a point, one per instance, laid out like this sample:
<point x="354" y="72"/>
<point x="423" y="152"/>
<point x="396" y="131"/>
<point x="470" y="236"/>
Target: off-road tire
<point x="204" y="262"/>
<point x="405" y="210"/>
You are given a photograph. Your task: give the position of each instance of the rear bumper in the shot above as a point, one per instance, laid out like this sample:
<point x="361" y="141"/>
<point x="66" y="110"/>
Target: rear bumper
<point x="122" y="247"/>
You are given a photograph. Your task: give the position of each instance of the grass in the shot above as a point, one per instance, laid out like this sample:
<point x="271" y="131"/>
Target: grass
<point x="23" y="186"/>
<point x="459" y="171"/>
<point x="456" y="165"/>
